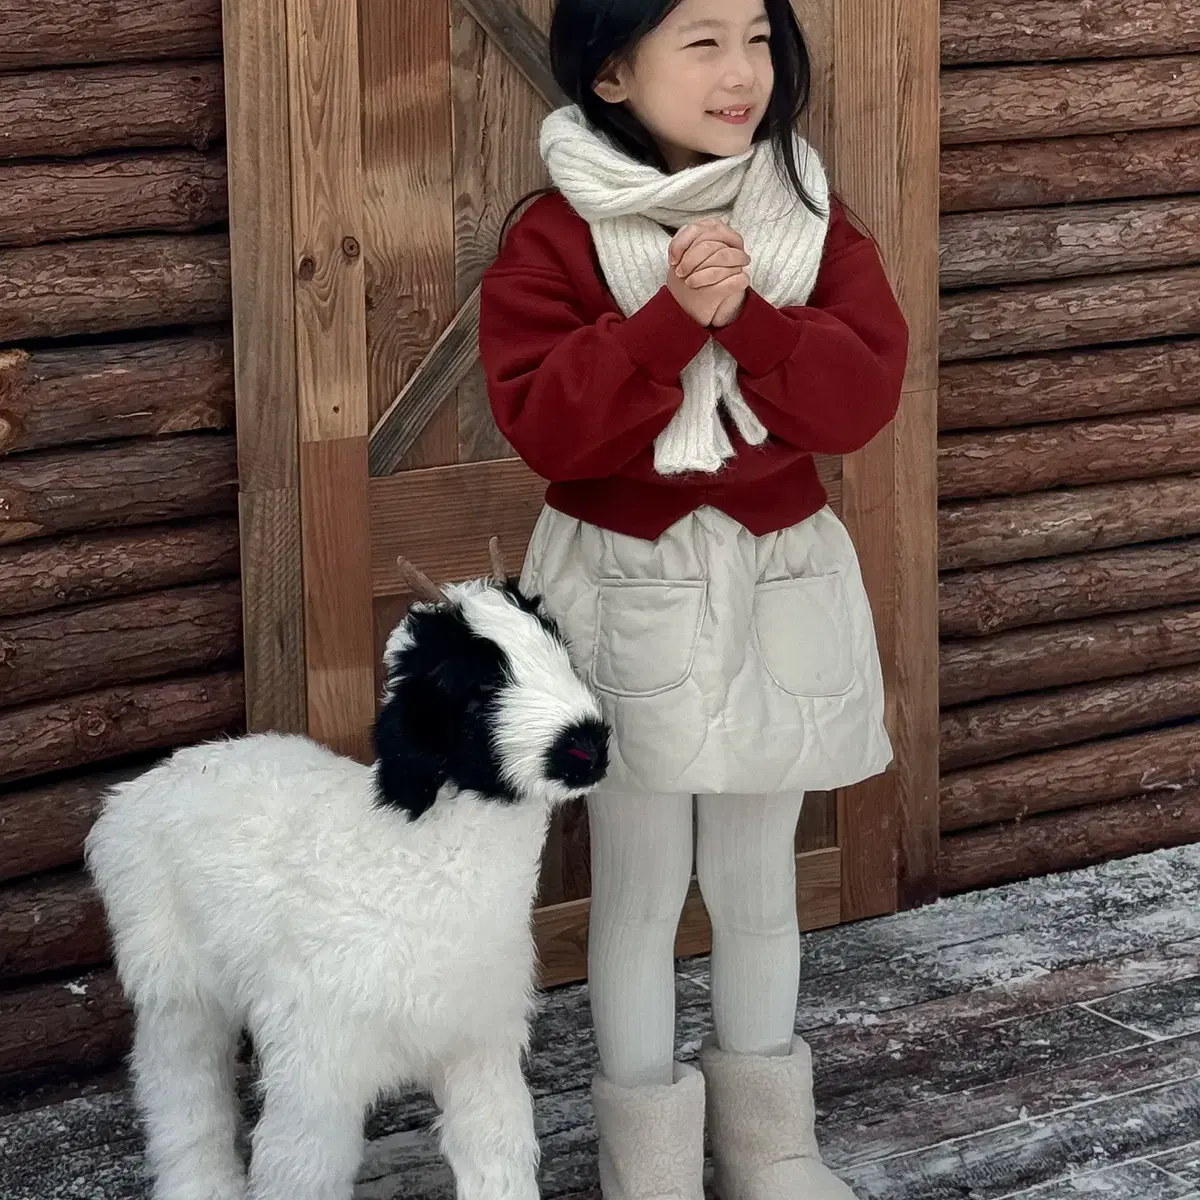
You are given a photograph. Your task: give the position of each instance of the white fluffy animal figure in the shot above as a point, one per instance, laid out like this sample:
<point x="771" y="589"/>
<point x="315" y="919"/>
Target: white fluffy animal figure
<point x="370" y="926"/>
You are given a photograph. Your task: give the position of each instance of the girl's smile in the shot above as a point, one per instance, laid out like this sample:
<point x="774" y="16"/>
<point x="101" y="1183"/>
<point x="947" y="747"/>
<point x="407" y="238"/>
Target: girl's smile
<point x="700" y="81"/>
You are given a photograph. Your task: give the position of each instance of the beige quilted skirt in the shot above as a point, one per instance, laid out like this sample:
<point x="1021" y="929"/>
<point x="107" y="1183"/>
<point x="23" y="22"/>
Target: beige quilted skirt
<point x="726" y="662"/>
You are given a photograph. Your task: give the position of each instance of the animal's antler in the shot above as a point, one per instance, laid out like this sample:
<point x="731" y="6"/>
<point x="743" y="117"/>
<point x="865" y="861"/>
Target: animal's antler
<point x="499" y="573"/>
<point x="419" y="583"/>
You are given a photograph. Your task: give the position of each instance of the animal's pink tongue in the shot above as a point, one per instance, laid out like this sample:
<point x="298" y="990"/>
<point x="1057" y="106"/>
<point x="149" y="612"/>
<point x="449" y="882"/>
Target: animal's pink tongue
<point x="580" y="754"/>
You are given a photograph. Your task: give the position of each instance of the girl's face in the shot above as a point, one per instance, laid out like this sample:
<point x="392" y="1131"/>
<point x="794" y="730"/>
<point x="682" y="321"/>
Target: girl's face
<point x="700" y="82"/>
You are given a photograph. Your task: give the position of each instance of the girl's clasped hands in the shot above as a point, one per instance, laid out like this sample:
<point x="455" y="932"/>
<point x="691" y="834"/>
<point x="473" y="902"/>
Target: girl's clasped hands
<point x="708" y="271"/>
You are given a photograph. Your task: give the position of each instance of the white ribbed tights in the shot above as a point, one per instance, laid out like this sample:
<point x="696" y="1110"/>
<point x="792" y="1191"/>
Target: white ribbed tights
<point x="642" y="856"/>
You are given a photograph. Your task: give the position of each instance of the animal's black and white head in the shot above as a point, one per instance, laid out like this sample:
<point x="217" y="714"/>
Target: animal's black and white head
<point x="481" y="695"/>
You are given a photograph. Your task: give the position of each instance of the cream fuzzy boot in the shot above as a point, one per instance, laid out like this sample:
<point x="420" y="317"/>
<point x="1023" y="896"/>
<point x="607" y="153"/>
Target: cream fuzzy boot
<point x="761" y="1123"/>
<point x="652" y="1138"/>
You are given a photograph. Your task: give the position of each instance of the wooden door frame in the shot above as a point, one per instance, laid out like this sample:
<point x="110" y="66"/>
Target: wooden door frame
<point x="311" y="566"/>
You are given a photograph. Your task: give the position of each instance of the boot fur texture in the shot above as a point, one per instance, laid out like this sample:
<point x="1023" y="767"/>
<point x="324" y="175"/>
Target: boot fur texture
<point x="761" y="1123"/>
<point x="652" y="1138"/>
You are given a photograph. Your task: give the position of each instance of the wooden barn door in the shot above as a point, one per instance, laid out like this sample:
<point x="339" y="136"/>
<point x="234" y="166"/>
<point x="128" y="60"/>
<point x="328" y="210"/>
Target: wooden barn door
<point x="376" y="147"/>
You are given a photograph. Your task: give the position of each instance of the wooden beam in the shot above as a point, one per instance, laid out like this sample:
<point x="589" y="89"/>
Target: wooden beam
<point x="1045" y="845"/>
<point x="995" y="104"/>
<point x="1026" y="660"/>
<point x="264" y="359"/>
<point x="439" y="373"/>
<point x="122" y="107"/>
<point x="561" y="930"/>
<point x="1016" y="246"/>
<point x="434" y="380"/>
<point x="976" y="533"/>
<point x="1113" y="769"/>
<point x="992" y="599"/>
<point x="331" y="365"/>
<point x="1036" y="458"/>
<point x="1069" y="385"/>
<point x="1059" y="170"/>
<point x="981" y="31"/>
<point x="59" y="33"/>
<point x="866" y="157"/>
<point x="915" y="439"/>
<point x="522" y="41"/>
<point x="1058" y="315"/>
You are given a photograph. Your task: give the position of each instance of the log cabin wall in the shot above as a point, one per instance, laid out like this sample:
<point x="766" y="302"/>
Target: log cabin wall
<point x="1069" y="417"/>
<point x="120" y="602"/>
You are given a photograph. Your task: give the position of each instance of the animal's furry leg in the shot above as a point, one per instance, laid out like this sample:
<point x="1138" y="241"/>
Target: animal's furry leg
<point x="183" y="1064"/>
<point x="308" y="1143"/>
<point x="487" y="1132"/>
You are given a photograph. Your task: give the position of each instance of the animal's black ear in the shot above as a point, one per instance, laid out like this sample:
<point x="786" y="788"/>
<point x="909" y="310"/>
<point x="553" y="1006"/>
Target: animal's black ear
<point x="411" y="758"/>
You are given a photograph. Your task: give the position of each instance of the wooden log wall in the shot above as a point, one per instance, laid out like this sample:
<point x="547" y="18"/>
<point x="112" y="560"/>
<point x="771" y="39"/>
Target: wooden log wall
<point x="1069" y="448"/>
<point x="120" y="599"/>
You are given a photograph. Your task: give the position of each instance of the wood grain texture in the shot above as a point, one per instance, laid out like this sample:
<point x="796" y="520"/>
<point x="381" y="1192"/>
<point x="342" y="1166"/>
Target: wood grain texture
<point x="136" y="718"/>
<point x="328" y="232"/>
<point x="426" y="393"/>
<point x="817" y="21"/>
<point x="977" y="31"/>
<point x="1070" y="652"/>
<point x="100" y="392"/>
<point x="59" y="33"/>
<point x="915" y="438"/>
<point x="992" y="599"/>
<point x="264" y="337"/>
<point x="53" y="654"/>
<point x="866" y="81"/>
<point x="520" y="35"/>
<point x="981" y="733"/>
<point x="56" y="1028"/>
<point x="1070" y="170"/>
<point x="1069" y="385"/>
<point x="497" y="117"/>
<point x="54" y="492"/>
<point x="325" y="109"/>
<point x="561" y="930"/>
<point x="171" y="192"/>
<point x="339" y="641"/>
<point x="1035" y="317"/>
<point x="408" y="169"/>
<point x="1042" y="524"/>
<point x="50" y="925"/>
<point x="441" y="518"/>
<point x="1038" y="457"/>
<point x="817" y="828"/>
<point x="111" y="284"/>
<point x="1067" y="841"/>
<point x="995" y="104"/>
<point x="978" y="249"/>
<point x="1166" y="760"/>
<point x="49" y="574"/>
<point x="86" y="109"/>
<point x="43" y="828"/>
<point x="273" y="610"/>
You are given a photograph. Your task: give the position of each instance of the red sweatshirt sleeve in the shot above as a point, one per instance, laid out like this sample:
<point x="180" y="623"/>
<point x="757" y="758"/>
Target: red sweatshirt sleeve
<point x="576" y="400"/>
<point x="825" y="377"/>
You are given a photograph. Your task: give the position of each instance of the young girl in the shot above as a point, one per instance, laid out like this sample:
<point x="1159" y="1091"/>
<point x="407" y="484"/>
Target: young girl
<point x="669" y="337"/>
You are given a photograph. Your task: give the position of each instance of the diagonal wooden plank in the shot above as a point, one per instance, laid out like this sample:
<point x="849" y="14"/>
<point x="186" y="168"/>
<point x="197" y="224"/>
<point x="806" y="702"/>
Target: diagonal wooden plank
<point x="522" y="41"/>
<point x="446" y="364"/>
<point x="439" y="373"/>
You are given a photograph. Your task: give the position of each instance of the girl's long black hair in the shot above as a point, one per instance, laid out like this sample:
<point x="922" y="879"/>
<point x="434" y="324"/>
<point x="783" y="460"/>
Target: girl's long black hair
<point x="587" y="35"/>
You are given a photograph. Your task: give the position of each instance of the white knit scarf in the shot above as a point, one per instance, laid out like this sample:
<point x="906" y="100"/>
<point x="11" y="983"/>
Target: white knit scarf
<point x="626" y="204"/>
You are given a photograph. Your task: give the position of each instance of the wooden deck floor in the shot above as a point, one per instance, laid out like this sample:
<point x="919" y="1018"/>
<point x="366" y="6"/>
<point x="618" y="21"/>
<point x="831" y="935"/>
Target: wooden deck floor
<point x="1040" y="1040"/>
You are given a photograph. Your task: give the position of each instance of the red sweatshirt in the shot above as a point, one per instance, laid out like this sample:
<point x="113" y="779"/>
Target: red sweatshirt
<point x="581" y="391"/>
